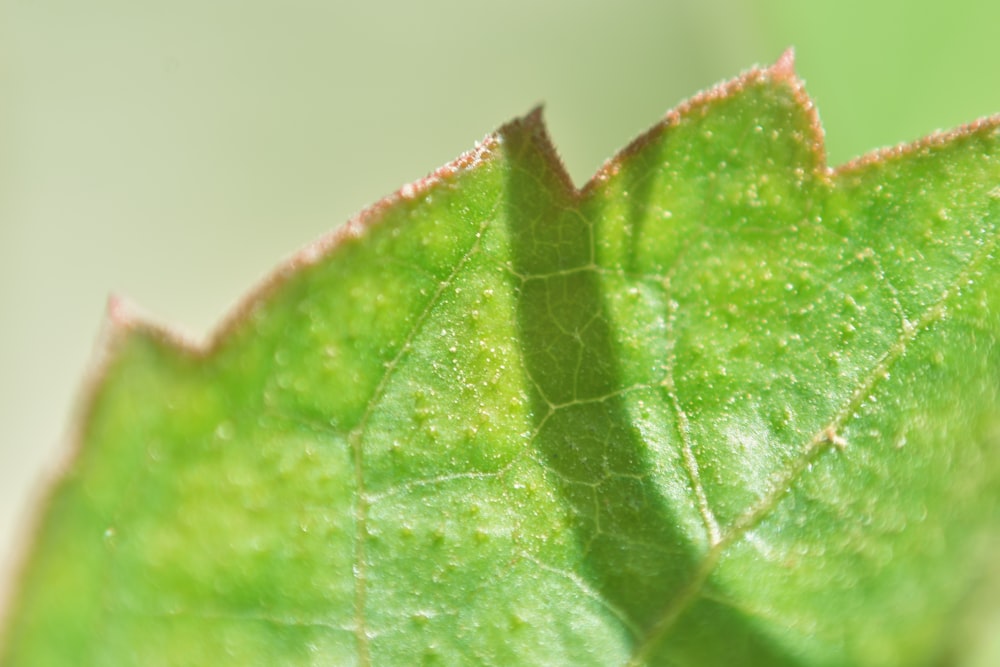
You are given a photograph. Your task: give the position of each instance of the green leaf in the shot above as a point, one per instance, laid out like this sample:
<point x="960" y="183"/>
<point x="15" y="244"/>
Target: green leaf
<point x="723" y="405"/>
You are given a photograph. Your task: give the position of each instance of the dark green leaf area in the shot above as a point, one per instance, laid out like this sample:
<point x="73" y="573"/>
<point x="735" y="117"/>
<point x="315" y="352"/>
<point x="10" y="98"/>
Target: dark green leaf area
<point x="721" y="406"/>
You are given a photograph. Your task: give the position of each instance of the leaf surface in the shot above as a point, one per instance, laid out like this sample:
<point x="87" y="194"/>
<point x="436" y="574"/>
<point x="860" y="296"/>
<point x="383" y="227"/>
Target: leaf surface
<point x="723" y="405"/>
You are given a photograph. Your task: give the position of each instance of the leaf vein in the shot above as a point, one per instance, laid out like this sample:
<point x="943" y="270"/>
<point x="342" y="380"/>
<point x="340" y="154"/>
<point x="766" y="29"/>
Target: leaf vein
<point x="821" y="441"/>
<point x="356" y="441"/>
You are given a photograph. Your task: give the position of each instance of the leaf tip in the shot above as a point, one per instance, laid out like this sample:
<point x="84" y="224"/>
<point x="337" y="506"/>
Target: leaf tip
<point x="531" y="125"/>
<point x="783" y="71"/>
<point x="530" y="132"/>
<point x="536" y="117"/>
<point x="784" y="68"/>
<point x="124" y="319"/>
<point x="120" y="312"/>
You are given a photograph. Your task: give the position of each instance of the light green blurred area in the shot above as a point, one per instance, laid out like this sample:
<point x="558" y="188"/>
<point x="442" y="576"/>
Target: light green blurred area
<point x="174" y="152"/>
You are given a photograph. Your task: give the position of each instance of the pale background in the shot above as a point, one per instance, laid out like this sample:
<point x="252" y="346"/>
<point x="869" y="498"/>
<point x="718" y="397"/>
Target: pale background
<point x="174" y="151"/>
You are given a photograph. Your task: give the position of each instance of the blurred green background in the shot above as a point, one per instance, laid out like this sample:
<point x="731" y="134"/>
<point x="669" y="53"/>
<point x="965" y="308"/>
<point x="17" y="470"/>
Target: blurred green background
<point x="173" y="152"/>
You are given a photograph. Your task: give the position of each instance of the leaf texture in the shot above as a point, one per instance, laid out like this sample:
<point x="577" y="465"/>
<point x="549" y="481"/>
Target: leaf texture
<point x="723" y="405"/>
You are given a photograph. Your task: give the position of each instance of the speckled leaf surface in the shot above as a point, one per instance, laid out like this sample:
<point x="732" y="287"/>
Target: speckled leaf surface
<point x="722" y="406"/>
